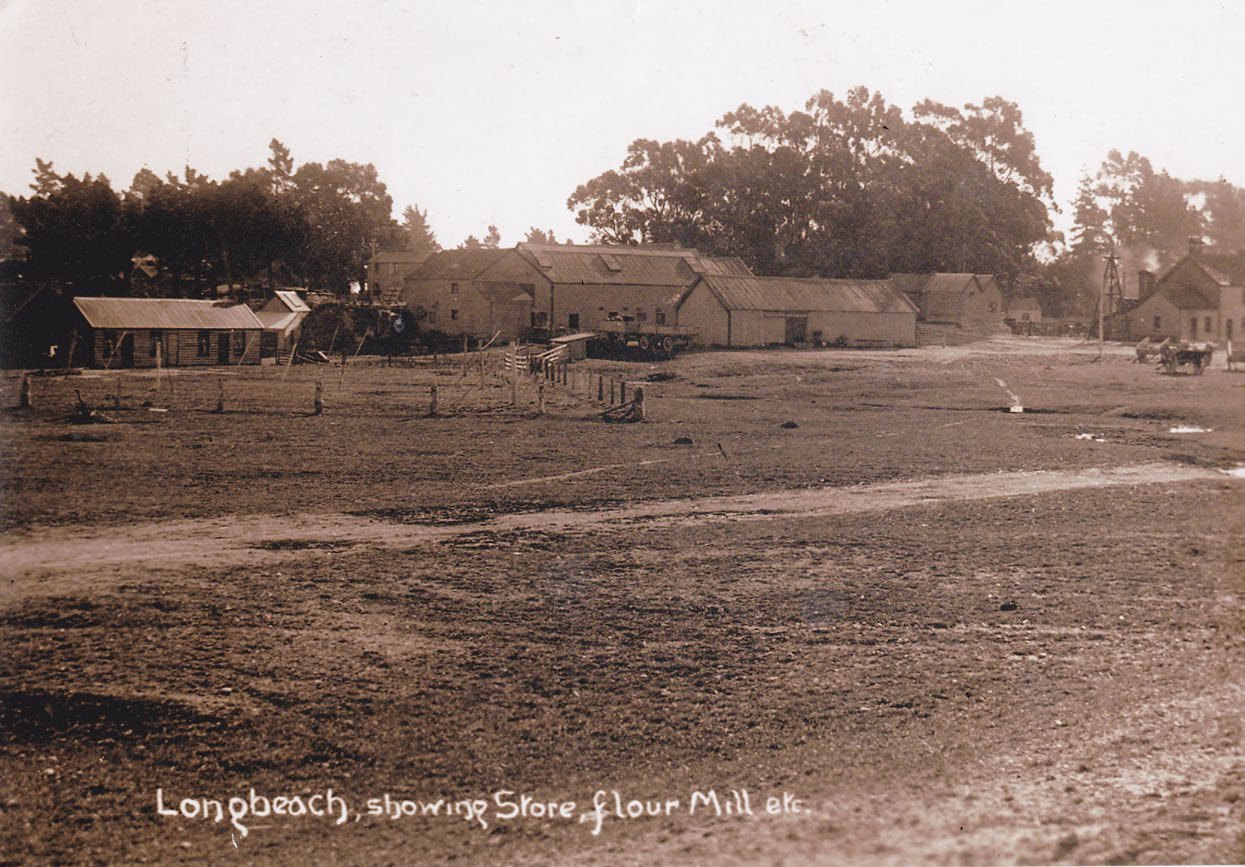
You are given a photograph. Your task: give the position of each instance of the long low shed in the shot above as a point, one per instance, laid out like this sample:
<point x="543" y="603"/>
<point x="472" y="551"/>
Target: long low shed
<point x="762" y="311"/>
<point x="178" y="332"/>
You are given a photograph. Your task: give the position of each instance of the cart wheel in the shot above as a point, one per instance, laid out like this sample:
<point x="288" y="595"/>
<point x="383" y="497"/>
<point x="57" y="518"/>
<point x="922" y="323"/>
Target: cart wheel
<point x="645" y="343"/>
<point x="667" y="345"/>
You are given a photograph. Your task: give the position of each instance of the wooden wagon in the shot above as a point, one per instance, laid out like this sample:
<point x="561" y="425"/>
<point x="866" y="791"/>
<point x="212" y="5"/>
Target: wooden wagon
<point x="1195" y="355"/>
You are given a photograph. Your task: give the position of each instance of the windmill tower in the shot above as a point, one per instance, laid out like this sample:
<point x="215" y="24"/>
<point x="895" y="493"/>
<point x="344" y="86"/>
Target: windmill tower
<point x="1112" y="295"/>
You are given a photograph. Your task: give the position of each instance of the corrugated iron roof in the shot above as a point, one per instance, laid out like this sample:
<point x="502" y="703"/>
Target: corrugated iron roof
<point x="291" y="300"/>
<point x="799" y="295"/>
<point x="399" y="256"/>
<point x="121" y="313"/>
<point x="456" y="264"/>
<point x="275" y="320"/>
<point x="623" y="265"/>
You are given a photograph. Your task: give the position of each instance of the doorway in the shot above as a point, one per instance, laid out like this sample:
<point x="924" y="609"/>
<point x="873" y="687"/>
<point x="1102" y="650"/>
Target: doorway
<point x="797" y="329"/>
<point x="127" y="350"/>
<point x="222" y="348"/>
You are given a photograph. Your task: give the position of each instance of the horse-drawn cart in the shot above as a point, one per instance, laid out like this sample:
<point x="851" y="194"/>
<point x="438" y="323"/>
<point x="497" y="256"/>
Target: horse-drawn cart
<point x="1177" y="355"/>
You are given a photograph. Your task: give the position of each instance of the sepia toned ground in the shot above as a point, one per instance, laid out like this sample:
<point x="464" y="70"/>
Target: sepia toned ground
<point x="956" y="634"/>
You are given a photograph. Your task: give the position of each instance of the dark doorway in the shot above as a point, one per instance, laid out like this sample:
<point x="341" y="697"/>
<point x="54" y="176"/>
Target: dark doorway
<point x="797" y="329"/>
<point x="127" y="350"/>
<point x="222" y="348"/>
<point x="572" y="322"/>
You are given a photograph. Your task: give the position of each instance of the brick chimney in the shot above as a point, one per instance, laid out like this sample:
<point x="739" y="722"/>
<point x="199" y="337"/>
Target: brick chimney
<point x="1145" y="283"/>
<point x="1195" y="246"/>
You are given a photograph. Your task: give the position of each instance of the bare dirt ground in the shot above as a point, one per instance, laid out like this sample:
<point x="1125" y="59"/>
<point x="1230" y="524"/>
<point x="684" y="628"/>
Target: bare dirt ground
<point x="955" y="633"/>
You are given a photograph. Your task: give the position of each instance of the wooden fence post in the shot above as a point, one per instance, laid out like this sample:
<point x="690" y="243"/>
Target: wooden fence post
<point x="116" y="395"/>
<point x="318" y="404"/>
<point x="23" y="392"/>
<point x="612" y="387"/>
<point x="622" y="391"/>
<point x="540" y="399"/>
<point x="600" y="389"/>
<point x="220" y="394"/>
<point x="639" y="401"/>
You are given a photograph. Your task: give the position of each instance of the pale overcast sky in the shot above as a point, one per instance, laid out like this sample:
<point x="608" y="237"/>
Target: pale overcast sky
<point x="494" y="112"/>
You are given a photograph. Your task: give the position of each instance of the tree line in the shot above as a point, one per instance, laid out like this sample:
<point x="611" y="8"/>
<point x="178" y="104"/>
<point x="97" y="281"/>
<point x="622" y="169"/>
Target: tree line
<point x="850" y="186"/>
<point x="315" y="225"/>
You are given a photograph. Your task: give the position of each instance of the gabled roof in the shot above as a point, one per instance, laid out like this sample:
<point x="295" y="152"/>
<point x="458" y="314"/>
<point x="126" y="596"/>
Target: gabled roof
<point x="122" y="313"/>
<point x="290" y="299"/>
<point x="807" y="294"/>
<point x="276" y="320"/>
<point x="1188" y="297"/>
<point x="650" y="265"/>
<point x="399" y="256"/>
<point x="457" y="264"/>
<point x="1226" y="270"/>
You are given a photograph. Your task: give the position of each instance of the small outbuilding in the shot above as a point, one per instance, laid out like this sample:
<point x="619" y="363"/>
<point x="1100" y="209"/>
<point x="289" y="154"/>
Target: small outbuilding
<point x="973" y="302"/>
<point x="173" y="332"/>
<point x="759" y="311"/>
<point x="1024" y="310"/>
<point x="282" y="317"/>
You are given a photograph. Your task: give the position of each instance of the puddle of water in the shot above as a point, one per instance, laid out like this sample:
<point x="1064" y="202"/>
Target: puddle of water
<point x="1097" y="438"/>
<point x="1236" y="472"/>
<point x="1189" y="428"/>
<point x="1016" y="408"/>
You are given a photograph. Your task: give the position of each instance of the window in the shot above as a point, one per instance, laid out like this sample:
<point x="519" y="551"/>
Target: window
<point x="660" y="317"/>
<point x="1158" y="323"/>
<point x="393" y="269"/>
<point x="157" y="339"/>
<point x="640" y="315"/>
<point x="539" y="319"/>
<point x="1193" y="327"/>
<point x="572" y="321"/>
<point x="1209" y="325"/>
<point x="453" y="288"/>
<point x="453" y="314"/>
<point x="239" y="342"/>
<point x="110" y="344"/>
<point x="205" y="343"/>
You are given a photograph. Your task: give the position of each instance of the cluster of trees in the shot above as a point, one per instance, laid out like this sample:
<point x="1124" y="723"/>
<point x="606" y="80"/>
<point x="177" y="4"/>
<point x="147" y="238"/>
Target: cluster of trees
<point x="846" y="187"/>
<point x="315" y="225"/>
<point x="856" y="187"/>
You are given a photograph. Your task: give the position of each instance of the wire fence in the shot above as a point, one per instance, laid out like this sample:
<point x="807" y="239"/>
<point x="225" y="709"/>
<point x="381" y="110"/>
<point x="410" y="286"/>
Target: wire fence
<point x="495" y="381"/>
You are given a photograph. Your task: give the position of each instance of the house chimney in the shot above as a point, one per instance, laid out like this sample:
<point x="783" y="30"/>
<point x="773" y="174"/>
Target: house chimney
<point x="1195" y="246"/>
<point x="1145" y="283"/>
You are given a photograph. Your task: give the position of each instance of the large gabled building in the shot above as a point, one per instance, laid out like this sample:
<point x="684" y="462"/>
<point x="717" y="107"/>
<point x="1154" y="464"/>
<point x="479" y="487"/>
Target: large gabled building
<point x="760" y="311"/>
<point x="541" y="290"/>
<point x="1201" y="297"/>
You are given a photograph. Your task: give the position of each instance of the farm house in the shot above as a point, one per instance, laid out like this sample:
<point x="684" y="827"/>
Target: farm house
<point x="173" y="332"/>
<point x="1201" y="297"/>
<point x="760" y="311"/>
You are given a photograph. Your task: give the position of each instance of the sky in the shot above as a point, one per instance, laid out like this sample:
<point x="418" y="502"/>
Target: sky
<point x="492" y="113"/>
